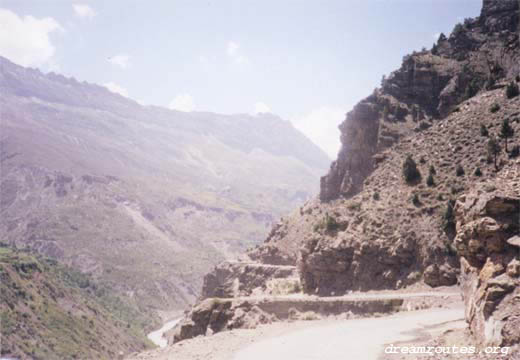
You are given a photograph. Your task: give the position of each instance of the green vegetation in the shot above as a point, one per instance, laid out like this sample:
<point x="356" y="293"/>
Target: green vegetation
<point x="432" y="170"/>
<point x="328" y="223"/>
<point x="410" y="171"/>
<point x="493" y="148"/>
<point x="478" y="172"/>
<point x="376" y="196"/>
<point x="429" y="180"/>
<point x="415" y="200"/>
<point x="512" y="90"/>
<point x="459" y="171"/>
<point x="515" y="151"/>
<point x="449" y="216"/>
<point x="484" y="130"/>
<point x="49" y="311"/>
<point x="506" y="131"/>
<point x="494" y="108"/>
<point x="472" y="88"/>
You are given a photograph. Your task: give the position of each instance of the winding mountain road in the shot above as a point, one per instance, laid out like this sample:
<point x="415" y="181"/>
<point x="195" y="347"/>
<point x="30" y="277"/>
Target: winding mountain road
<point x="353" y="339"/>
<point x="308" y="340"/>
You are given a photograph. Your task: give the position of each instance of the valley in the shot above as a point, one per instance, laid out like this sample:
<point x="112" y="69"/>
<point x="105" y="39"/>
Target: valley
<point x="140" y="232"/>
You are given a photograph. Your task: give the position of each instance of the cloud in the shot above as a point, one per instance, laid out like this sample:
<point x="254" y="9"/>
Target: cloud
<point x="321" y="126"/>
<point x="261" y="107"/>
<point x="25" y="40"/>
<point x="183" y="102"/>
<point x="233" y="51"/>
<point x="115" y="88"/>
<point x="83" y="11"/>
<point x="436" y="36"/>
<point x="121" y="60"/>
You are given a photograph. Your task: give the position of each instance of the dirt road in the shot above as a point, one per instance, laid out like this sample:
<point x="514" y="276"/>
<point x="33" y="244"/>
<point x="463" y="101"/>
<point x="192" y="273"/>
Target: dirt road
<point x="325" y="339"/>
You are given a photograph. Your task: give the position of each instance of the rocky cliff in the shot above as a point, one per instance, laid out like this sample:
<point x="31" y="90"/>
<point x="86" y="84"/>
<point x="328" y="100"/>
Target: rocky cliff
<point x="488" y="241"/>
<point x="429" y="85"/>
<point x="388" y="217"/>
<point x="370" y="228"/>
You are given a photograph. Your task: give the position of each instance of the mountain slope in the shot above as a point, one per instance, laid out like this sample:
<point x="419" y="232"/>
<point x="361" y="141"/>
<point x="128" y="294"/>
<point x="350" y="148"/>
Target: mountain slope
<point x="144" y="197"/>
<point x="52" y="312"/>
<point x="370" y="229"/>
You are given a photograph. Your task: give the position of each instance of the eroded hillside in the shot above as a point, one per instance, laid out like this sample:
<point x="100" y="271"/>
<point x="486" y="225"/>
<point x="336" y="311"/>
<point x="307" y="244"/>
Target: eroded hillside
<point x="372" y="229"/>
<point x="144" y="197"/>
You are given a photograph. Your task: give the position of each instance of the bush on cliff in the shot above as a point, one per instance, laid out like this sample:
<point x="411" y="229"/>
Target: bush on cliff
<point x="410" y="171"/>
<point x="512" y="90"/>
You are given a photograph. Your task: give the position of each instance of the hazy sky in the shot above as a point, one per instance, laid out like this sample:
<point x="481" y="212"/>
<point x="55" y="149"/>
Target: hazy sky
<point x="307" y="61"/>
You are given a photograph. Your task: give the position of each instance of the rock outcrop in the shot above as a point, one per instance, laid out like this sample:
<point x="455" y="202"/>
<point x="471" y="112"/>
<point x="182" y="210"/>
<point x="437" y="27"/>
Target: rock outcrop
<point x="428" y="86"/>
<point x="370" y="229"/>
<point x="234" y="279"/>
<point x="488" y="242"/>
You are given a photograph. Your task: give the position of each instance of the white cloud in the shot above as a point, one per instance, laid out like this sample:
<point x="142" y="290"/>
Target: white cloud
<point x="83" y="11"/>
<point x="232" y="48"/>
<point x="233" y="51"/>
<point x="321" y="126"/>
<point x="261" y="107"/>
<point x="115" y="88"/>
<point x="25" y="40"/>
<point x="121" y="60"/>
<point x="183" y="102"/>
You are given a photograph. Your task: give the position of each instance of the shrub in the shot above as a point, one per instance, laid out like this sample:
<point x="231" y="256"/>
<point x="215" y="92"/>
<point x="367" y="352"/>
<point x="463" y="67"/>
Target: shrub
<point x="429" y="180"/>
<point x="415" y="200"/>
<point x="432" y="170"/>
<point x="506" y="131"/>
<point x="410" y="171"/>
<point x="515" y="151"/>
<point x="459" y="170"/>
<point x="512" y="90"/>
<point x="330" y="223"/>
<point x="472" y="88"/>
<point x="376" y="196"/>
<point x="517" y="78"/>
<point x="484" y="130"/>
<point x="478" y="172"/>
<point x="494" y="108"/>
<point x="449" y="216"/>
<point x="493" y="148"/>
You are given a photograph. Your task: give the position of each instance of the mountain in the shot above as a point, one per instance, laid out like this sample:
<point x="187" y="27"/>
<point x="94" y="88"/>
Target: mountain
<point x="49" y="311"/>
<point x="386" y="232"/>
<point x="145" y="198"/>
<point x="425" y="190"/>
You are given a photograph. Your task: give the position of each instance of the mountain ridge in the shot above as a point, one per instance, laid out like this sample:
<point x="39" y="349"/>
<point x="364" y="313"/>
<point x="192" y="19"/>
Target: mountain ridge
<point x="89" y="177"/>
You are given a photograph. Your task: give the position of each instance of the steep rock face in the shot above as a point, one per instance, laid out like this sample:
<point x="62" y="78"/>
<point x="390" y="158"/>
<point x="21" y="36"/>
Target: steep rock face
<point x="393" y="233"/>
<point x="487" y="240"/>
<point x="234" y="279"/>
<point x="428" y="86"/>
<point x="381" y="228"/>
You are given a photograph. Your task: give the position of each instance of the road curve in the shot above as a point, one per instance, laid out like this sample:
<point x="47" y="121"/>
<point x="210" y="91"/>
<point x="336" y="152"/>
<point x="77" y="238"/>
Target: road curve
<point x="353" y="339"/>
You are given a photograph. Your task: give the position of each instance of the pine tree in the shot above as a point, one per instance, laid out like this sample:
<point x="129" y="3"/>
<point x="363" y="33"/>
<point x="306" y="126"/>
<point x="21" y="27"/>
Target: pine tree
<point x="410" y="171"/>
<point x="429" y="180"/>
<point x="506" y="131"/>
<point x="494" y="149"/>
<point x="512" y="90"/>
<point x="484" y="130"/>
